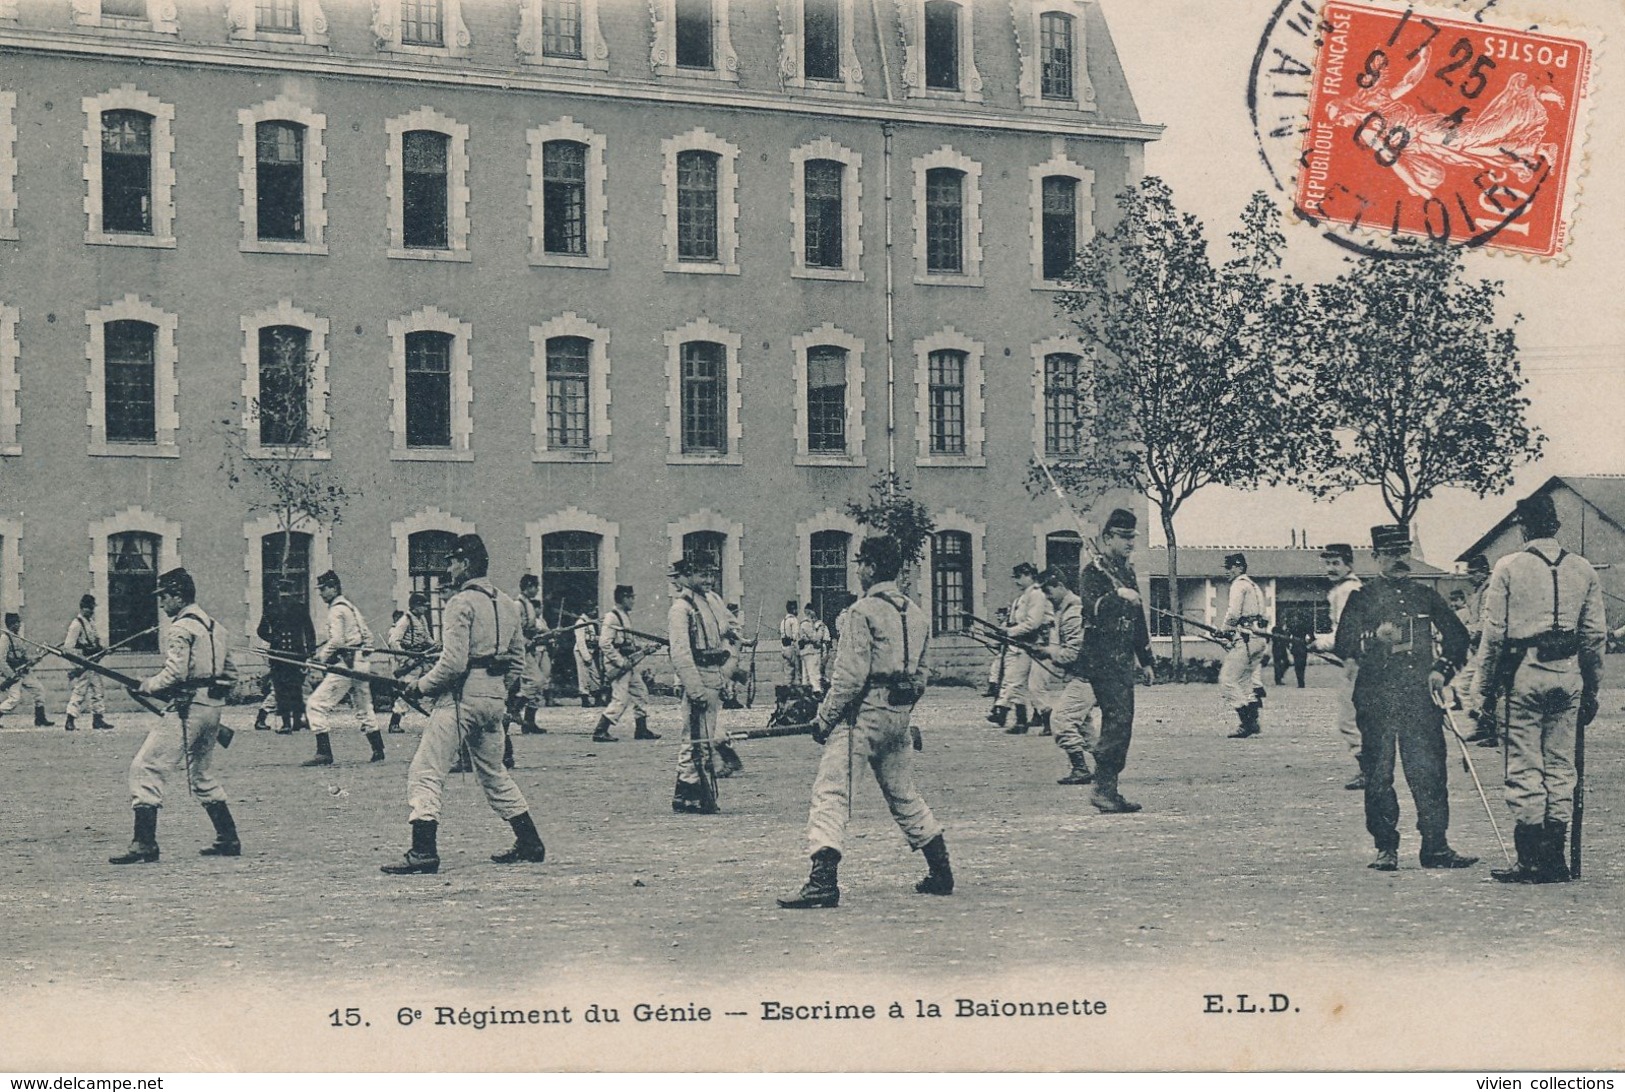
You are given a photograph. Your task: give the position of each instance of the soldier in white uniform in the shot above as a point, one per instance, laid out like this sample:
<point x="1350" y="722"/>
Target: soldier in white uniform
<point x="811" y="638"/>
<point x="697" y="627"/>
<point x="1485" y="733"/>
<point x="1238" y="672"/>
<point x="410" y="633"/>
<point x="1030" y="619"/>
<point x="83" y="640"/>
<point x="345" y="635"/>
<point x="588" y="675"/>
<point x="14" y="658"/>
<point x="532" y="688"/>
<point x="193" y="678"/>
<point x="879" y="676"/>
<point x="482" y="646"/>
<point x="1339" y="560"/>
<point x="1077" y="697"/>
<point x="621" y="658"/>
<point x="1544" y="630"/>
<point x="789" y="634"/>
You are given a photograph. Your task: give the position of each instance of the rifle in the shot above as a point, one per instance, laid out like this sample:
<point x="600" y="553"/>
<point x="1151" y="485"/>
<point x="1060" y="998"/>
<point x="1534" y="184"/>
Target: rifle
<point x="997" y="638"/>
<point x="1227" y="634"/>
<point x="112" y="648"/>
<point x="349" y="673"/>
<point x="16" y="676"/>
<point x="755" y="643"/>
<point x="772" y="733"/>
<point x="1579" y="798"/>
<point x="129" y="682"/>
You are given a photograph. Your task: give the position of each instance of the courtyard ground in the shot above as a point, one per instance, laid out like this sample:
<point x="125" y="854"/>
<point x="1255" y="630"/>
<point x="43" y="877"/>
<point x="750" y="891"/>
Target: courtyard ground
<point x="1244" y="873"/>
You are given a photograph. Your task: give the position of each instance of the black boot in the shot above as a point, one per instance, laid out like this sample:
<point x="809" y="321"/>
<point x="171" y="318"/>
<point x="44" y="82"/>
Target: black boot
<point x="997" y="715"/>
<point x="288" y="728"/>
<point x="820" y="891"/>
<point x="144" y="845"/>
<point x="642" y="730"/>
<point x="731" y="762"/>
<point x="1555" y="862"/>
<point x="1526" y="839"/>
<point x="601" y="733"/>
<point x="687" y="799"/>
<point x="1107" y="800"/>
<point x="1042" y="720"/>
<point x="324" y="752"/>
<point x="1484" y="730"/>
<point x="423" y="856"/>
<point x="376" y="738"/>
<point x="1439" y="855"/>
<point x="1258" y="696"/>
<point x="940" y="880"/>
<point x="39" y="718"/>
<point x="527" y="846"/>
<point x="507" y="752"/>
<point x="226" y="843"/>
<point x="261" y="721"/>
<point x="1020" y="726"/>
<point x="1079" y="774"/>
<point x="100" y="723"/>
<point x="1248" y="715"/>
<point x="68" y="725"/>
<point x="529" y="726"/>
<point x="395" y="724"/>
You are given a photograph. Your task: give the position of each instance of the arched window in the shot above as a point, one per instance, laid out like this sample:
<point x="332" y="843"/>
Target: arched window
<point x="283" y="406"/>
<point x="1056" y="54"/>
<point x="824" y="228"/>
<point x="569" y="393"/>
<point x="425" y="189"/>
<point x="131" y="382"/>
<point x="428" y="389"/>
<point x="1063" y="550"/>
<point x="946" y="401"/>
<point x="427" y="554"/>
<point x="280" y="180"/>
<point x="704" y="398"/>
<point x="944" y="220"/>
<point x="127" y="172"/>
<point x="703" y="550"/>
<point x="1060" y="225"/>
<point x="132" y="580"/>
<point x="952" y="592"/>
<point x="564" y="197"/>
<point x="285" y="558"/>
<point x="569" y="574"/>
<point x="1062" y="373"/>
<point x="829" y="553"/>
<point x="942" y="45"/>
<point x="826" y="399"/>
<point x="697" y="177"/>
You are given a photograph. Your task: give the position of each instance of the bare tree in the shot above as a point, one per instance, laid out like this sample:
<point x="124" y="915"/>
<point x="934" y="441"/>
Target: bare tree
<point x="1194" y="379"/>
<point x="276" y="449"/>
<point x="1420" y="387"/>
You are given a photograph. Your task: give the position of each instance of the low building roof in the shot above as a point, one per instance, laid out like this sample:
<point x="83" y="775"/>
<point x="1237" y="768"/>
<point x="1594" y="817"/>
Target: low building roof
<point x="1605" y="493"/>
<point x="1267" y="562"/>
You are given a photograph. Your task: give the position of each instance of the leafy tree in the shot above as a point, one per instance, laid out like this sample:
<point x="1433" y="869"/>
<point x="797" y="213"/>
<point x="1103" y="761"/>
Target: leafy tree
<point x="273" y="450"/>
<point x="891" y="510"/>
<point x="1420" y="387"/>
<point x="1194" y="380"/>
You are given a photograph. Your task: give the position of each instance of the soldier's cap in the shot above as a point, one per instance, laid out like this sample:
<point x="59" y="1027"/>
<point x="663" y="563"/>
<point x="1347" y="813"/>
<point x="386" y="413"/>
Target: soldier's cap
<point x="470" y="548"/>
<point x="177" y="582"/>
<point x="1343" y="551"/>
<point x="880" y="551"/>
<point x="1537" y="511"/>
<point x="86" y="602"/>
<point x="1235" y="559"/>
<point x="1052" y="576"/>
<point x="530" y="580"/>
<point x="623" y="590"/>
<point x="1120" y="520"/>
<point x="13" y="620"/>
<point x="1478" y="563"/>
<point x="682" y="567"/>
<point x="1026" y="568"/>
<point x="328" y="579"/>
<point x="1391" y="538"/>
<point x="418" y="599"/>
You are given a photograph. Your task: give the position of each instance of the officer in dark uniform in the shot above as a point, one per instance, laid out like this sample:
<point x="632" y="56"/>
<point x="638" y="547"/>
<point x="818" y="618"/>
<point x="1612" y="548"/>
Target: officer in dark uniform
<point x="1116" y="648"/>
<point x="287" y="630"/>
<point x="1387" y="639"/>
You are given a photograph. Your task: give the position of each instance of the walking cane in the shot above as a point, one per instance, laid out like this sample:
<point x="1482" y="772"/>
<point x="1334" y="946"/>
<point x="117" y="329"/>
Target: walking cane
<point x="1450" y="719"/>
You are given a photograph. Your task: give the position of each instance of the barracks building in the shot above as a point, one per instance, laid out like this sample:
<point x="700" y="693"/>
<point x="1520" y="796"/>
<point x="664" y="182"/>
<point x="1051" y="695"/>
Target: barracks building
<point x="609" y="282"/>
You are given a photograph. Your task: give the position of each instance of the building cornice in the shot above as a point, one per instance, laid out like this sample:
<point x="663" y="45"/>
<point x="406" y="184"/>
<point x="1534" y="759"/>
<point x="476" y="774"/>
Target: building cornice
<point x="56" y="43"/>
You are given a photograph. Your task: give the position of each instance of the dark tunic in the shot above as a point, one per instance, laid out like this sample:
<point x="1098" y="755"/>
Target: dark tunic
<point x="287" y="629"/>
<point x="1116" y="642"/>
<point x="1392" y="706"/>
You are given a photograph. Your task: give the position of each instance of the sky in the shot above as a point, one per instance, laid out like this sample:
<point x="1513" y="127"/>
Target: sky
<point x="1188" y="63"/>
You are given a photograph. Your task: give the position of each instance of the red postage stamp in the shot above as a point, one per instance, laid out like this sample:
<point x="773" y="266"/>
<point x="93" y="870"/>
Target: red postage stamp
<point x="1454" y="130"/>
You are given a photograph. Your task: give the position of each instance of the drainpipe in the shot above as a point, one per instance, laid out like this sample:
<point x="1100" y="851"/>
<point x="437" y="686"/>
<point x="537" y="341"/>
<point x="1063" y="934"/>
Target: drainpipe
<point x="886" y="156"/>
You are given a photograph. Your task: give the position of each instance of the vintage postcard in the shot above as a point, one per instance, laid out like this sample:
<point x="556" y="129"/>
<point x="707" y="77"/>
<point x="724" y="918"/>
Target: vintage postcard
<point x="483" y="484"/>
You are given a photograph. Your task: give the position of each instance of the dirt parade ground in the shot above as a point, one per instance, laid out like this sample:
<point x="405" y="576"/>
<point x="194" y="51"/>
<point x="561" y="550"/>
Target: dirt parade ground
<point x="1248" y="853"/>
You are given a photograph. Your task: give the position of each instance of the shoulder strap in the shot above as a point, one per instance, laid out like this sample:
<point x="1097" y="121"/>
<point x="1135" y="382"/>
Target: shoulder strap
<point x="902" y="618"/>
<point x="1553" y="564"/>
